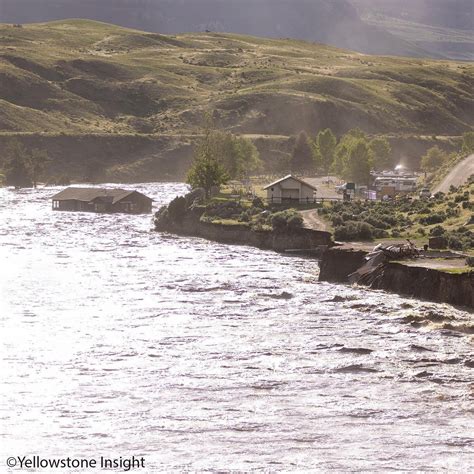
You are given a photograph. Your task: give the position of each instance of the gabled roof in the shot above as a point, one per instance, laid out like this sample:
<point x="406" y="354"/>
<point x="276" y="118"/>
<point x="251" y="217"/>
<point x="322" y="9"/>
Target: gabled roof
<point x="290" y="176"/>
<point x="89" y="194"/>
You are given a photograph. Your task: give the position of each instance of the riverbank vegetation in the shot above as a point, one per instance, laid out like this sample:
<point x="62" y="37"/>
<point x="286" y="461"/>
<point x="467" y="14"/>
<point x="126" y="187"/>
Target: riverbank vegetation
<point x="252" y="214"/>
<point x="450" y="216"/>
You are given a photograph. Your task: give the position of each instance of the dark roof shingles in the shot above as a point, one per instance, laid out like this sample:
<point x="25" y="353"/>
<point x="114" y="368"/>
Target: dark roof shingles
<point x="89" y="194"/>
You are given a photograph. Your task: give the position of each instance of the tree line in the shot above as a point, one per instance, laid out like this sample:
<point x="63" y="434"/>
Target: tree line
<point x="23" y="167"/>
<point x="352" y="157"/>
<point x="355" y="155"/>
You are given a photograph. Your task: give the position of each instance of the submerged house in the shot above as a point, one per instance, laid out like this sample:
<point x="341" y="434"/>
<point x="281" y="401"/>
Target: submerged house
<point x="290" y="189"/>
<point x="102" y="200"/>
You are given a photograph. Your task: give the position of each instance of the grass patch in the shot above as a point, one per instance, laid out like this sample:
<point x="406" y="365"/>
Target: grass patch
<point x="456" y="271"/>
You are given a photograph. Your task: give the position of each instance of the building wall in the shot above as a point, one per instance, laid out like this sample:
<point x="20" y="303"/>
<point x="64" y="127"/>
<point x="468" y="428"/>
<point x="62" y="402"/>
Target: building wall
<point x="306" y="193"/>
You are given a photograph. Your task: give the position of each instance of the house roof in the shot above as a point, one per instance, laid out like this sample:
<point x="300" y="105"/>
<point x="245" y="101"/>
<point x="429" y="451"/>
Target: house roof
<point x="290" y="177"/>
<point x="89" y="194"/>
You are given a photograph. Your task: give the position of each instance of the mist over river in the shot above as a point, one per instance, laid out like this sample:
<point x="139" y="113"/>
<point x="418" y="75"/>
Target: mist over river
<point x="117" y="341"/>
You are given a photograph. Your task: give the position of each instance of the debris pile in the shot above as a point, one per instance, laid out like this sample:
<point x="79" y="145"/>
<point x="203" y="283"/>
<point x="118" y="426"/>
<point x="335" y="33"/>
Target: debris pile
<point x="373" y="269"/>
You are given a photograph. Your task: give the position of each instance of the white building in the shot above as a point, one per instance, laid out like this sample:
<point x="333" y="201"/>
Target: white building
<point x="290" y="189"/>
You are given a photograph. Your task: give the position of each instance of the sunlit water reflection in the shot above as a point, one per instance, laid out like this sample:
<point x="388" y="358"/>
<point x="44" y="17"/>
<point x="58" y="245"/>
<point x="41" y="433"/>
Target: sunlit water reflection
<point x="118" y="341"/>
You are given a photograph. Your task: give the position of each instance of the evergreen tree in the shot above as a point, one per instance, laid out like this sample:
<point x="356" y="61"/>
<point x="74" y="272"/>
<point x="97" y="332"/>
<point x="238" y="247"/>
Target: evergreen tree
<point x="21" y="167"/>
<point x="302" y="157"/>
<point x="17" y="166"/>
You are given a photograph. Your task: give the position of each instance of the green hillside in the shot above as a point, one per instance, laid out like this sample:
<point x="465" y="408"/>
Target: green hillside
<point x="63" y="82"/>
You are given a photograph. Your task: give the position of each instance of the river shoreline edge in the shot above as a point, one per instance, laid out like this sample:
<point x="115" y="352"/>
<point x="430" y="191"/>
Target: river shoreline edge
<point x="335" y="263"/>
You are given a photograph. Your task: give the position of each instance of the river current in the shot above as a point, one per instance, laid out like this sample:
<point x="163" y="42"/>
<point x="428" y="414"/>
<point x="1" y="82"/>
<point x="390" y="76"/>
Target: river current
<point x="118" y="341"/>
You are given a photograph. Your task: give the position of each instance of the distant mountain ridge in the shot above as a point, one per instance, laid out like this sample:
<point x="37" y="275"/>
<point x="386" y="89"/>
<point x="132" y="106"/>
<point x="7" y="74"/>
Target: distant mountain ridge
<point x="443" y="27"/>
<point x="333" y="22"/>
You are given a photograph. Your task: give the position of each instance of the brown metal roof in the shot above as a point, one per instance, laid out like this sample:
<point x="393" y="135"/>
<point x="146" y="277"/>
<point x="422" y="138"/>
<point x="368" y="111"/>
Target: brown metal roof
<point x="89" y="194"/>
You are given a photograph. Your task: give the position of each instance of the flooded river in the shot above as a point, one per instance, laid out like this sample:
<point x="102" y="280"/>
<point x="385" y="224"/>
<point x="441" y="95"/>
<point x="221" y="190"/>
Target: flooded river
<point x="117" y="341"/>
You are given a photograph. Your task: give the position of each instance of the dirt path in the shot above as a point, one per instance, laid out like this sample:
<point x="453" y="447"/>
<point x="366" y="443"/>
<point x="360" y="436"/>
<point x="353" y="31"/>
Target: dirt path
<point x="459" y="175"/>
<point x="313" y="221"/>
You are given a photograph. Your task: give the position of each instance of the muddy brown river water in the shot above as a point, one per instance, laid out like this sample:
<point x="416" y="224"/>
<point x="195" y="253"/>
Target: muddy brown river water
<point x="117" y="341"/>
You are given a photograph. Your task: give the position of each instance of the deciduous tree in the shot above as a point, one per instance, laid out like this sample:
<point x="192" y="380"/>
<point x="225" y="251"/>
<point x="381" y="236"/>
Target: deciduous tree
<point x="206" y="173"/>
<point x="380" y="151"/>
<point x="238" y="155"/>
<point x="325" y="148"/>
<point x="357" y="167"/>
<point x="433" y="159"/>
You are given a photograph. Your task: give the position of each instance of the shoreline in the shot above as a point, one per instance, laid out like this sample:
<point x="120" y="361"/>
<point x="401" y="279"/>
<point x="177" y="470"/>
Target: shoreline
<point x="335" y="263"/>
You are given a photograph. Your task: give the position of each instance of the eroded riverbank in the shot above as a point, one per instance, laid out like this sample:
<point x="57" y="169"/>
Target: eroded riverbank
<point x="336" y="263"/>
<point x="202" y="356"/>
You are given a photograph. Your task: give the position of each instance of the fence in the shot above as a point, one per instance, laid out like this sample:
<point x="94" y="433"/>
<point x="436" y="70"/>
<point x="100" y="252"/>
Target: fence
<point x="315" y="200"/>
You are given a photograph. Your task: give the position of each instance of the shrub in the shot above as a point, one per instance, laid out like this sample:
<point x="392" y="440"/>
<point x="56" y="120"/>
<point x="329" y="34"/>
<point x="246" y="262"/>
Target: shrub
<point x="380" y="234"/>
<point x="225" y="209"/>
<point x="435" y="218"/>
<point x="455" y="243"/>
<point x="337" y="220"/>
<point x="437" y="231"/>
<point x="365" y="231"/>
<point x="462" y="197"/>
<point x="285" y="220"/>
<point x="295" y="222"/>
<point x="258" y="203"/>
<point x="354" y="230"/>
<point x="244" y="217"/>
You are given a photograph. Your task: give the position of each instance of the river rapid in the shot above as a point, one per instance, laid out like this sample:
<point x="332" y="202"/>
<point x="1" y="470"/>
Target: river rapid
<point x="118" y="341"/>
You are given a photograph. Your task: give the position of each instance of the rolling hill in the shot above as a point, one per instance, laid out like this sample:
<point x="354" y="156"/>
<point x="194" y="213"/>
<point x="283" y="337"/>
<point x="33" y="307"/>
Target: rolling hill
<point x="334" y="22"/>
<point x="87" y="91"/>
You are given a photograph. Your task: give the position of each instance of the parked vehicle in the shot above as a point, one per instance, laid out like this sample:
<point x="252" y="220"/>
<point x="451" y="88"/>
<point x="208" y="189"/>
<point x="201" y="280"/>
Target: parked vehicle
<point x="400" y="184"/>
